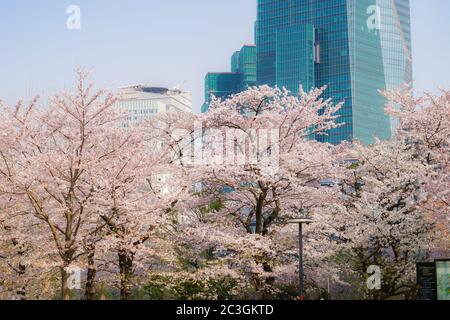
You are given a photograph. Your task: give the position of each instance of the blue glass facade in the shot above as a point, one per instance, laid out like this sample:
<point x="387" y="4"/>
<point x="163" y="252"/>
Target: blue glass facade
<point x="354" y="47"/>
<point x="241" y="77"/>
<point x="220" y="85"/>
<point x="295" y="57"/>
<point x="247" y="67"/>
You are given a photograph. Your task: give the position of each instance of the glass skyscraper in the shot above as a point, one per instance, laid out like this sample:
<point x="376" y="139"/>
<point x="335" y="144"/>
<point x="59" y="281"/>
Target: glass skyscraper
<point x="354" y="47"/>
<point x="241" y="77"/>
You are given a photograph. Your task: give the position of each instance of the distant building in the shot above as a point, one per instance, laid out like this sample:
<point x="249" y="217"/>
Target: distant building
<point x="245" y="65"/>
<point x="241" y="77"/>
<point x="143" y="102"/>
<point x="354" y="47"/>
<point x="220" y="85"/>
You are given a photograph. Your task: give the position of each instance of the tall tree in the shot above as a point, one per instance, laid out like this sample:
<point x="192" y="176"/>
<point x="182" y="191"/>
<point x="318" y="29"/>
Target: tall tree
<point x="380" y="221"/>
<point x="424" y="124"/>
<point x="51" y="161"/>
<point x="263" y="166"/>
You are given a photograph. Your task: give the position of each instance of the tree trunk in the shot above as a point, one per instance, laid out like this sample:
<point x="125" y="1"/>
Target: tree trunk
<point x="259" y="212"/>
<point x="89" y="293"/>
<point x="126" y="273"/>
<point x="65" y="293"/>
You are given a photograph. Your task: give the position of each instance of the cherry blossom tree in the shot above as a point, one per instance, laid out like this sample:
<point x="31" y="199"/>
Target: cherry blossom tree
<point x="262" y="166"/>
<point x="210" y="196"/>
<point x="281" y="166"/>
<point x="24" y="245"/>
<point x="55" y="164"/>
<point x="381" y="220"/>
<point x="424" y="123"/>
<point x="136" y="207"/>
<point x="98" y="194"/>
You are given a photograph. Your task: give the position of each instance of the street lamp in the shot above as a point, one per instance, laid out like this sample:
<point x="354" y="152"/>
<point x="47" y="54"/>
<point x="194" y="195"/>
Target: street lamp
<point x="301" y="274"/>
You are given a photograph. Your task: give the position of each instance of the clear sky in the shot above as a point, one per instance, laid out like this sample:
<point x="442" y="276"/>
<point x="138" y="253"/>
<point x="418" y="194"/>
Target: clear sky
<point x="162" y="43"/>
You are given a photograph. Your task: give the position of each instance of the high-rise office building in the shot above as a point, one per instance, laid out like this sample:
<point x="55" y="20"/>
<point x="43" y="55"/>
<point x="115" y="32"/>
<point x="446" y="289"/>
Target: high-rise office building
<point x="220" y="85"/>
<point x="143" y="102"/>
<point x="246" y="66"/>
<point x="354" y="47"/>
<point x="241" y="77"/>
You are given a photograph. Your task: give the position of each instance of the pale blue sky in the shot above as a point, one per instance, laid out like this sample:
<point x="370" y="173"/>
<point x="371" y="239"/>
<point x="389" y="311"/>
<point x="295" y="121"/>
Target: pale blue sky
<point x="162" y="43"/>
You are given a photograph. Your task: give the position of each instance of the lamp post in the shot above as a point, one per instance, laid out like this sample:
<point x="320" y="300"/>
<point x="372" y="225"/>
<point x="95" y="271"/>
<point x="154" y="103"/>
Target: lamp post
<point x="301" y="272"/>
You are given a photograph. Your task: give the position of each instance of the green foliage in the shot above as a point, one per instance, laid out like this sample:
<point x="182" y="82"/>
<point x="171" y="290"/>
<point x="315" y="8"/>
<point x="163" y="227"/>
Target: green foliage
<point x="214" y="206"/>
<point x="165" y="287"/>
<point x="223" y="288"/>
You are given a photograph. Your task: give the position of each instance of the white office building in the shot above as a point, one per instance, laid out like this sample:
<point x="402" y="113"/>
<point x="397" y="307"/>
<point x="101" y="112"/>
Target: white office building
<point x="143" y="102"/>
